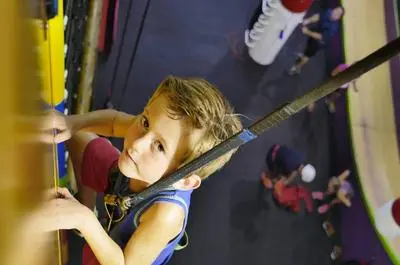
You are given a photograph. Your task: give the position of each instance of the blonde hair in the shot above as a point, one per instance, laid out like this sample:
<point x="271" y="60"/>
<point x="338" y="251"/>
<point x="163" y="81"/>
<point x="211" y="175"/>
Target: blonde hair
<point x="204" y="107"/>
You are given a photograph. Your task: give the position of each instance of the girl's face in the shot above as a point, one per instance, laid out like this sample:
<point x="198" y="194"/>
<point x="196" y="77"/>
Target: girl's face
<point x="333" y="185"/>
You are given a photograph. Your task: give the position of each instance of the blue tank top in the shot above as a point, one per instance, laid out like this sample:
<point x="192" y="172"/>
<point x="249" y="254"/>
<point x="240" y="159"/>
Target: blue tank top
<point x="123" y="231"/>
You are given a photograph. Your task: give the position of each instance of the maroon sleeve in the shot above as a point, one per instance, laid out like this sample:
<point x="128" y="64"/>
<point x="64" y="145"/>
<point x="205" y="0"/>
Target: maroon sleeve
<point x="99" y="158"/>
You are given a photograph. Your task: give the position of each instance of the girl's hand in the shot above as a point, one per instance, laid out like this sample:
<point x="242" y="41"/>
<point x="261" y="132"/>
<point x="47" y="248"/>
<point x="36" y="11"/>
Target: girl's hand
<point x="343" y="176"/>
<point x="333" y="185"/>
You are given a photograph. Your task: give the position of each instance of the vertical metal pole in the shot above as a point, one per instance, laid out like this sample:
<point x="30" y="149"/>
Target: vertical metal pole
<point x="89" y="56"/>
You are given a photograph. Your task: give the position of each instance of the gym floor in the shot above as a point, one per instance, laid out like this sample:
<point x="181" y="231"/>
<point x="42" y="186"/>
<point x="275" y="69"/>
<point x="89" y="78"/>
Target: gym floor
<point x="205" y="39"/>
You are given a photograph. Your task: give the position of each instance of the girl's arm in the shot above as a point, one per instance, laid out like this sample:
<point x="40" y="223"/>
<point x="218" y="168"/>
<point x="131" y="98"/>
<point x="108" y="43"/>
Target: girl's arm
<point x="341" y="197"/>
<point x="343" y="176"/>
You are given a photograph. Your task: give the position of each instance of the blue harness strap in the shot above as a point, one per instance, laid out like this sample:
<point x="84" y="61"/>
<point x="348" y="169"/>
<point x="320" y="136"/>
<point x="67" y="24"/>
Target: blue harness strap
<point x="162" y="197"/>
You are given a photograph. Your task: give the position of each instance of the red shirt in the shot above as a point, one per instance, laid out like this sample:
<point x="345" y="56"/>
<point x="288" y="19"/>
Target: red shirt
<point x="291" y="196"/>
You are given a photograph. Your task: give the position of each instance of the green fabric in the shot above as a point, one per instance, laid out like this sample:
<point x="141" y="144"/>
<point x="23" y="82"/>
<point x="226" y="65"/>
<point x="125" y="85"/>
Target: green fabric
<point x="397" y="14"/>
<point x="183" y="243"/>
